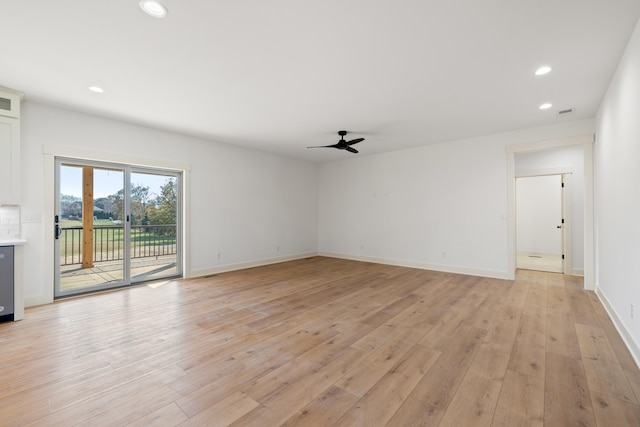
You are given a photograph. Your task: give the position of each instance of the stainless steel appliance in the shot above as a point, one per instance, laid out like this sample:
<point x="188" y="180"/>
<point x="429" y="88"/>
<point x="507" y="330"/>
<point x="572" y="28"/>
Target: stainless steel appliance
<point x="6" y="283"/>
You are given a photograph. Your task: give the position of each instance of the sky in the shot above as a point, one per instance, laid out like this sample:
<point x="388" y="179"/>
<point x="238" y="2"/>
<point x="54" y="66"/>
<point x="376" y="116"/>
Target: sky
<point x="105" y="182"/>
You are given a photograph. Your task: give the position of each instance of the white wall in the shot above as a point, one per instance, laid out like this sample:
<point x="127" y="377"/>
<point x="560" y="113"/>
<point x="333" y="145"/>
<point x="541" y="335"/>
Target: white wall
<point x="538" y="213"/>
<point x="617" y="196"/>
<point x="243" y="204"/>
<point x="561" y="160"/>
<point x="440" y="206"/>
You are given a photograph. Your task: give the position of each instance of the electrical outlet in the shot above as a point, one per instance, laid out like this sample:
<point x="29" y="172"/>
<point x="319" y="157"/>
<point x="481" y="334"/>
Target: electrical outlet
<point x="219" y="255"/>
<point x="444" y="254"/>
<point x="631" y="310"/>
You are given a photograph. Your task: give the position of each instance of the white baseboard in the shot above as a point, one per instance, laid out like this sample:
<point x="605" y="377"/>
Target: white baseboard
<point x="423" y="266"/>
<point x="249" y="264"/>
<point x="577" y="272"/>
<point x="400" y="263"/>
<point x="633" y="347"/>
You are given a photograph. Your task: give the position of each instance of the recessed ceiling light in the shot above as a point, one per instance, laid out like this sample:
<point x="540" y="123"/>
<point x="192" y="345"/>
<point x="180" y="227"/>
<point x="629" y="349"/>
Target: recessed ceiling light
<point x="153" y="8"/>
<point x="96" y="89"/>
<point x="545" y="106"/>
<point x="543" y="70"/>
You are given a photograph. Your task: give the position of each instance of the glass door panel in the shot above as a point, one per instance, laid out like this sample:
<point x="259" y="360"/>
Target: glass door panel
<point x="154" y="237"/>
<point x="90" y="228"/>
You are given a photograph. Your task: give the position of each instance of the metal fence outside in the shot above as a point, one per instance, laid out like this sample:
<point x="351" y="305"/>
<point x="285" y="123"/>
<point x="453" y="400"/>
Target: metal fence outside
<point x="108" y="242"/>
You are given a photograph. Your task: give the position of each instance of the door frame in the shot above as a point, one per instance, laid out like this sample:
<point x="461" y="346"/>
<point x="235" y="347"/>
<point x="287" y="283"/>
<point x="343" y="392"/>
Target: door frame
<point x="50" y="152"/>
<point x="586" y="141"/>
<point x="127" y="172"/>
<point x="59" y="163"/>
<point x="565" y="207"/>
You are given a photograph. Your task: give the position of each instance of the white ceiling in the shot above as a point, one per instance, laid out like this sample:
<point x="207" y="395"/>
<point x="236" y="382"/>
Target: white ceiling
<point x="278" y="75"/>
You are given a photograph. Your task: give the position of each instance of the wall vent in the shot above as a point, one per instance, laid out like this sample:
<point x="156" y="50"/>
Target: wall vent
<point x="566" y="112"/>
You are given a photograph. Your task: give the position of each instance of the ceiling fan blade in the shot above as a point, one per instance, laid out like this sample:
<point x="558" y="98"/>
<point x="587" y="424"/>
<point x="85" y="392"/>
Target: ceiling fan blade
<point x="342" y="144"/>
<point x="324" y="146"/>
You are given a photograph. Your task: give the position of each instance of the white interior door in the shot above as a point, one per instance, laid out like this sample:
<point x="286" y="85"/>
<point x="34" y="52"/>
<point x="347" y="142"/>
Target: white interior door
<point x="539" y="223"/>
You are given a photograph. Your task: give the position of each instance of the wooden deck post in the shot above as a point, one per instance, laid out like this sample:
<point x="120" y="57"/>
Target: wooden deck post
<point x="87" y="217"/>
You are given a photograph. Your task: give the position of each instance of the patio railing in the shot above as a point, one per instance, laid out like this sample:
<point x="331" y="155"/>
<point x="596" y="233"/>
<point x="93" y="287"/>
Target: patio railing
<point x="108" y="242"/>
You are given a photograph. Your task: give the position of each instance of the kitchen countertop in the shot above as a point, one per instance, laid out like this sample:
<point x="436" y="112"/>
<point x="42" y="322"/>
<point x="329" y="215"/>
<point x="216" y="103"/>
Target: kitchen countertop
<point x="12" y="242"/>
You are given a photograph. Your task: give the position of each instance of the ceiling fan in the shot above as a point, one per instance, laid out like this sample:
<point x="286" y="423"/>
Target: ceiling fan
<point x="342" y="144"/>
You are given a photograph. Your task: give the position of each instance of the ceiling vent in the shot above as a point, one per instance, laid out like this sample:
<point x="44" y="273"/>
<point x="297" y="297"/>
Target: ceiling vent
<point x="566" y="112"/>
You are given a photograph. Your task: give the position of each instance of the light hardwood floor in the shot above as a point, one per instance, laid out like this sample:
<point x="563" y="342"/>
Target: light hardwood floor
<point x="551" y="263"/>
<point x="322" y="342"/>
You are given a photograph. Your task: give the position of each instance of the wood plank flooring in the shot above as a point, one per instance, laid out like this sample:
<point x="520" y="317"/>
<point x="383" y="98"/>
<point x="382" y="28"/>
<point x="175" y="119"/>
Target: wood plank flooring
<point x="322" y="342"/>
<point x="537" y="261"/>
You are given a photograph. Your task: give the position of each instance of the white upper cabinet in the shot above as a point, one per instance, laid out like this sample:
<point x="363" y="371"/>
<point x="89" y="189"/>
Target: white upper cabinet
<point x="9" y="147"/>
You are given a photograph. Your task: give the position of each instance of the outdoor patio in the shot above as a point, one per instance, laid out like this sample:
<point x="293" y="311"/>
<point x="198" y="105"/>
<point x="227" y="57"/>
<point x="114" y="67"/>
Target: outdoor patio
<point x="142" y="269"/>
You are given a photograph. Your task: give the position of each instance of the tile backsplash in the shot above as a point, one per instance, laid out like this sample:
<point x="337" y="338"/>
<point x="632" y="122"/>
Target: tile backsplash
<point x="9" y="222"/>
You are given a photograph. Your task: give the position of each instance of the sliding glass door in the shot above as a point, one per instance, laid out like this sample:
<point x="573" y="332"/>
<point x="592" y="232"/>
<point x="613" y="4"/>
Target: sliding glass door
<point x="115" y="225"/>
<point x="153" y="233"/>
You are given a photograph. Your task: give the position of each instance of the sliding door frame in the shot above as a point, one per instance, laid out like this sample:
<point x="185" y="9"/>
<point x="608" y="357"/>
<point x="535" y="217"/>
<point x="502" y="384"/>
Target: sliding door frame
<point x="50" y="152"/>
<point x="127" y="186"/>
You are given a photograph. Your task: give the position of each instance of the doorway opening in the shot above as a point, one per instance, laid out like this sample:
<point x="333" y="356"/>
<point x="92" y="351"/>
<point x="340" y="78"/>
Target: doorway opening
<point x="542" y="223"/>
<point x="115" y="225"/>
<point x="572" y="154"/>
